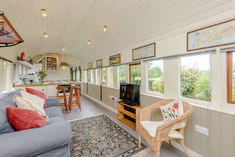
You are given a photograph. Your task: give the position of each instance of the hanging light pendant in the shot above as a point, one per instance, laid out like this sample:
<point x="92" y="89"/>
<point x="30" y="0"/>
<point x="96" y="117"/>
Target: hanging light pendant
<point x="8" y="34"/>
<point x="63" y="64"/>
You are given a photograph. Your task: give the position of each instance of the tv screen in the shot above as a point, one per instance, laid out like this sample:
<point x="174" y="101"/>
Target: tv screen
<point x="130" y="93"/>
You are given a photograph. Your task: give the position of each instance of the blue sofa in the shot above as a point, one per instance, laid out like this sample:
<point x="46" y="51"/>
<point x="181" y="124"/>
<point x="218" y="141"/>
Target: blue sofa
<point x="52" y="140"/>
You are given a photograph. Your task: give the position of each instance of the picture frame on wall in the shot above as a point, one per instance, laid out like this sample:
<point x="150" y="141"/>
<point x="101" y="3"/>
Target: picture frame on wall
<point x="143" y="52"/>
<point x="220" y="34"/>
<point x="99" y="63"/>
<point x="89" y="65"/>
<point x="115" y="59"/>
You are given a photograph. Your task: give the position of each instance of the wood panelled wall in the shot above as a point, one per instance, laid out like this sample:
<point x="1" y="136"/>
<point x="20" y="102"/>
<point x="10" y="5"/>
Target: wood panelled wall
<point x="221" y="139"/>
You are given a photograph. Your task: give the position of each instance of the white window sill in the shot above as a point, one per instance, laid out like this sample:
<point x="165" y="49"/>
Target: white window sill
<point x="155" y="95"/>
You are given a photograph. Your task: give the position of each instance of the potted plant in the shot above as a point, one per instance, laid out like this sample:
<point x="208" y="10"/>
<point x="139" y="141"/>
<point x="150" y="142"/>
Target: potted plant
<point x="42" y="74"/>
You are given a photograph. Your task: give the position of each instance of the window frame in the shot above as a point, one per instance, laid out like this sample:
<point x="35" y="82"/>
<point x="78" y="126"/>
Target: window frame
<point x="147" y="79"/>
<point x="229" y="57"/>
<point x="108" y="69"/>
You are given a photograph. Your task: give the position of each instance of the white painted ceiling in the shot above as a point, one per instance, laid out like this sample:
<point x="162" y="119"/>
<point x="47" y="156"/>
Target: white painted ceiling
<point x="73" y="22"/>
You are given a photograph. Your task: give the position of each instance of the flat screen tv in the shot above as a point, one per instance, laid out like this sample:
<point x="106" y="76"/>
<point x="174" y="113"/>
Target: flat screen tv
<point x="130" y="94"/>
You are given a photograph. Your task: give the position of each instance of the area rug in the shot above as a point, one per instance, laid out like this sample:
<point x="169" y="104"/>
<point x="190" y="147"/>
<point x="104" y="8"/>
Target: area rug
<point x="99" y="136"/>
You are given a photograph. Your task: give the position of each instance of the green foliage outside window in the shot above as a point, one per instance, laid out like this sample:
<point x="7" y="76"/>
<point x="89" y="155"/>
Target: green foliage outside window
<point x="195" y="84"/>
<point x="135" y="74"/>
<point x="122" y="74"/>
<point x="155" y="77"/>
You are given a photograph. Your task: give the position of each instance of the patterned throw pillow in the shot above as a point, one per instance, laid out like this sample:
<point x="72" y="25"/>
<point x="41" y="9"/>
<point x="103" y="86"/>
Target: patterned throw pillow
<point x="37" y="93"/>
<point x="33" y="98"/>
<point x="24" y="103"/>
<point x="172" y="110"/>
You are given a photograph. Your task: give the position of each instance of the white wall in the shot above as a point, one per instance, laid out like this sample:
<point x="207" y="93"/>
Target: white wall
<point x="64" y="73"/>
<point x="8" y="53"/>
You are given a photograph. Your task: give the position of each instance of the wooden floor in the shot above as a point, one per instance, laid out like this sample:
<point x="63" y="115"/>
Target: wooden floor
<point x="90" y="108"/>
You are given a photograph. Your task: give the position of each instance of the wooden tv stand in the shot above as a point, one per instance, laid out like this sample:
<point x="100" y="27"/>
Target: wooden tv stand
<point x="127" y="114"/>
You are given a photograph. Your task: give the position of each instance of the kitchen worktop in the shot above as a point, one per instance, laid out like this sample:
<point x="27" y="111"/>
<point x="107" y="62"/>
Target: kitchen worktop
<point x="46" y="83"/>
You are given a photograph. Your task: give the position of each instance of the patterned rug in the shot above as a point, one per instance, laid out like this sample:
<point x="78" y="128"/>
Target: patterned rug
<point x="100" y="137"/>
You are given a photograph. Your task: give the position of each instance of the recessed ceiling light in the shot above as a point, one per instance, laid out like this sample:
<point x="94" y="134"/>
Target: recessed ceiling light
<point x="89" y="42"/>
<point x="43" y="12"/>
<point x="105" y="28"/>
<point x="45" y="35"/>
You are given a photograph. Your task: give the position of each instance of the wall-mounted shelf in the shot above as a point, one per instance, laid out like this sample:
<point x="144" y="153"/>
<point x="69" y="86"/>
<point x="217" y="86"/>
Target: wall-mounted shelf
<point x="51" y="63"/>
<point x="25" y="63"/>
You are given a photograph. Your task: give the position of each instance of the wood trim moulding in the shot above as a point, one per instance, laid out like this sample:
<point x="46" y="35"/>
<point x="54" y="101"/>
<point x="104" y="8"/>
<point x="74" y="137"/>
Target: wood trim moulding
<point x="229" y="77"/>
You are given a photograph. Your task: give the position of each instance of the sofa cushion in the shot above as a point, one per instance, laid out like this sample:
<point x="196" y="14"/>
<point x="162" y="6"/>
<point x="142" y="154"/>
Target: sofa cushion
<point x="52" y="102"/>
<point x="54" y="120"/>
<point x="37" y="93"/>
<point x="24" y="103"/>
<point x="33" y="98"/>
<point x="8" y="97"/>
<point x="5" y="127"/>
<point x="23" y="119"/>
<point x="54" y="112"/>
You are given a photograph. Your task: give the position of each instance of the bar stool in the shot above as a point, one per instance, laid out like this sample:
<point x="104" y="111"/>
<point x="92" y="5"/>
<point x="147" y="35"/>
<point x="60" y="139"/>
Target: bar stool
<point x="74" y="94"/>
<point x="61" y="94"/>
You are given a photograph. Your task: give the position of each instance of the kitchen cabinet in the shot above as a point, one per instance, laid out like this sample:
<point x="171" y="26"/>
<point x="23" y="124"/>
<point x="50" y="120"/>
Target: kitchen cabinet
<point x="51" y="90"/>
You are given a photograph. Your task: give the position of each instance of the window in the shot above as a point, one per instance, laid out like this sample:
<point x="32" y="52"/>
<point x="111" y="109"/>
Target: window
<point x="85" y="75"/>
<point x="6" y="75"/>
<point x="110" y="76"/>
<point x="98" y="76"/>
<point x="93" y="80"/>
<point x="155" y="76"/>
<point x="89" y="76"/>
<point x="135" y="73"/>
<point x="195" y="77"/>
<point x="122" y="74"/>
<point x="231" y="77"/>
<point x="104" y="75"/>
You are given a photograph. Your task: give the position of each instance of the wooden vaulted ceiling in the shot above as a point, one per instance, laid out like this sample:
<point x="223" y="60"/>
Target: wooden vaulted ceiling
<point x="73" y="22"/>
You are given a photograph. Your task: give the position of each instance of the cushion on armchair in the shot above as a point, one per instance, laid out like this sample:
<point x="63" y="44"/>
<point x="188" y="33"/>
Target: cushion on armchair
<point x="172" y="110"/>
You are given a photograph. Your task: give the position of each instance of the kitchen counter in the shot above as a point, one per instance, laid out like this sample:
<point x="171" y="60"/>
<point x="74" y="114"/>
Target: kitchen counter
<point x="45" y="84"/>
<point x="49" y="88"/>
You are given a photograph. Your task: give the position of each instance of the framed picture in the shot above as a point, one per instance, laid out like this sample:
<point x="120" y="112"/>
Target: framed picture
<point x="99" y="63"/>
<point x="146" y="51"/>
<point x="89" y="65"/>
<point x="220" y="34"/>
<point x="115" y="59"/>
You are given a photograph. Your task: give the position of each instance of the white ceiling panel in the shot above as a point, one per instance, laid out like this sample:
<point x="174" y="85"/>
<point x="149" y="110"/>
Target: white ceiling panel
<point x="73" y="22"/>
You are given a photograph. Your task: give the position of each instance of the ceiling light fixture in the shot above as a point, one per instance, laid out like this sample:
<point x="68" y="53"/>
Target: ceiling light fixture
<point x="89" y="42"/>
<point x="45" y="35"/>
<point x="43" y="12"/>
<point x="105" y="28"/>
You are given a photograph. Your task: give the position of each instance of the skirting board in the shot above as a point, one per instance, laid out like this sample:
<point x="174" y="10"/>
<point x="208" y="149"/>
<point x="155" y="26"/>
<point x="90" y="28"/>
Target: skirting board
<point x="176" y="145"/>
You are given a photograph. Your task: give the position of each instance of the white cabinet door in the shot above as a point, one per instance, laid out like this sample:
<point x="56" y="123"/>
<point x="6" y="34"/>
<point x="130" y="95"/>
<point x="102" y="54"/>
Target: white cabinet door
<point x="51" y="90"/>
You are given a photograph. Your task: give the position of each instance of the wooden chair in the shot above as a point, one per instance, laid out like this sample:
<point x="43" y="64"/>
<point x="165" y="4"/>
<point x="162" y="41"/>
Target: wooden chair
<point x="162" y="132"/>
<point x="74" y="94"/>
<point x="61" y="94"/>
